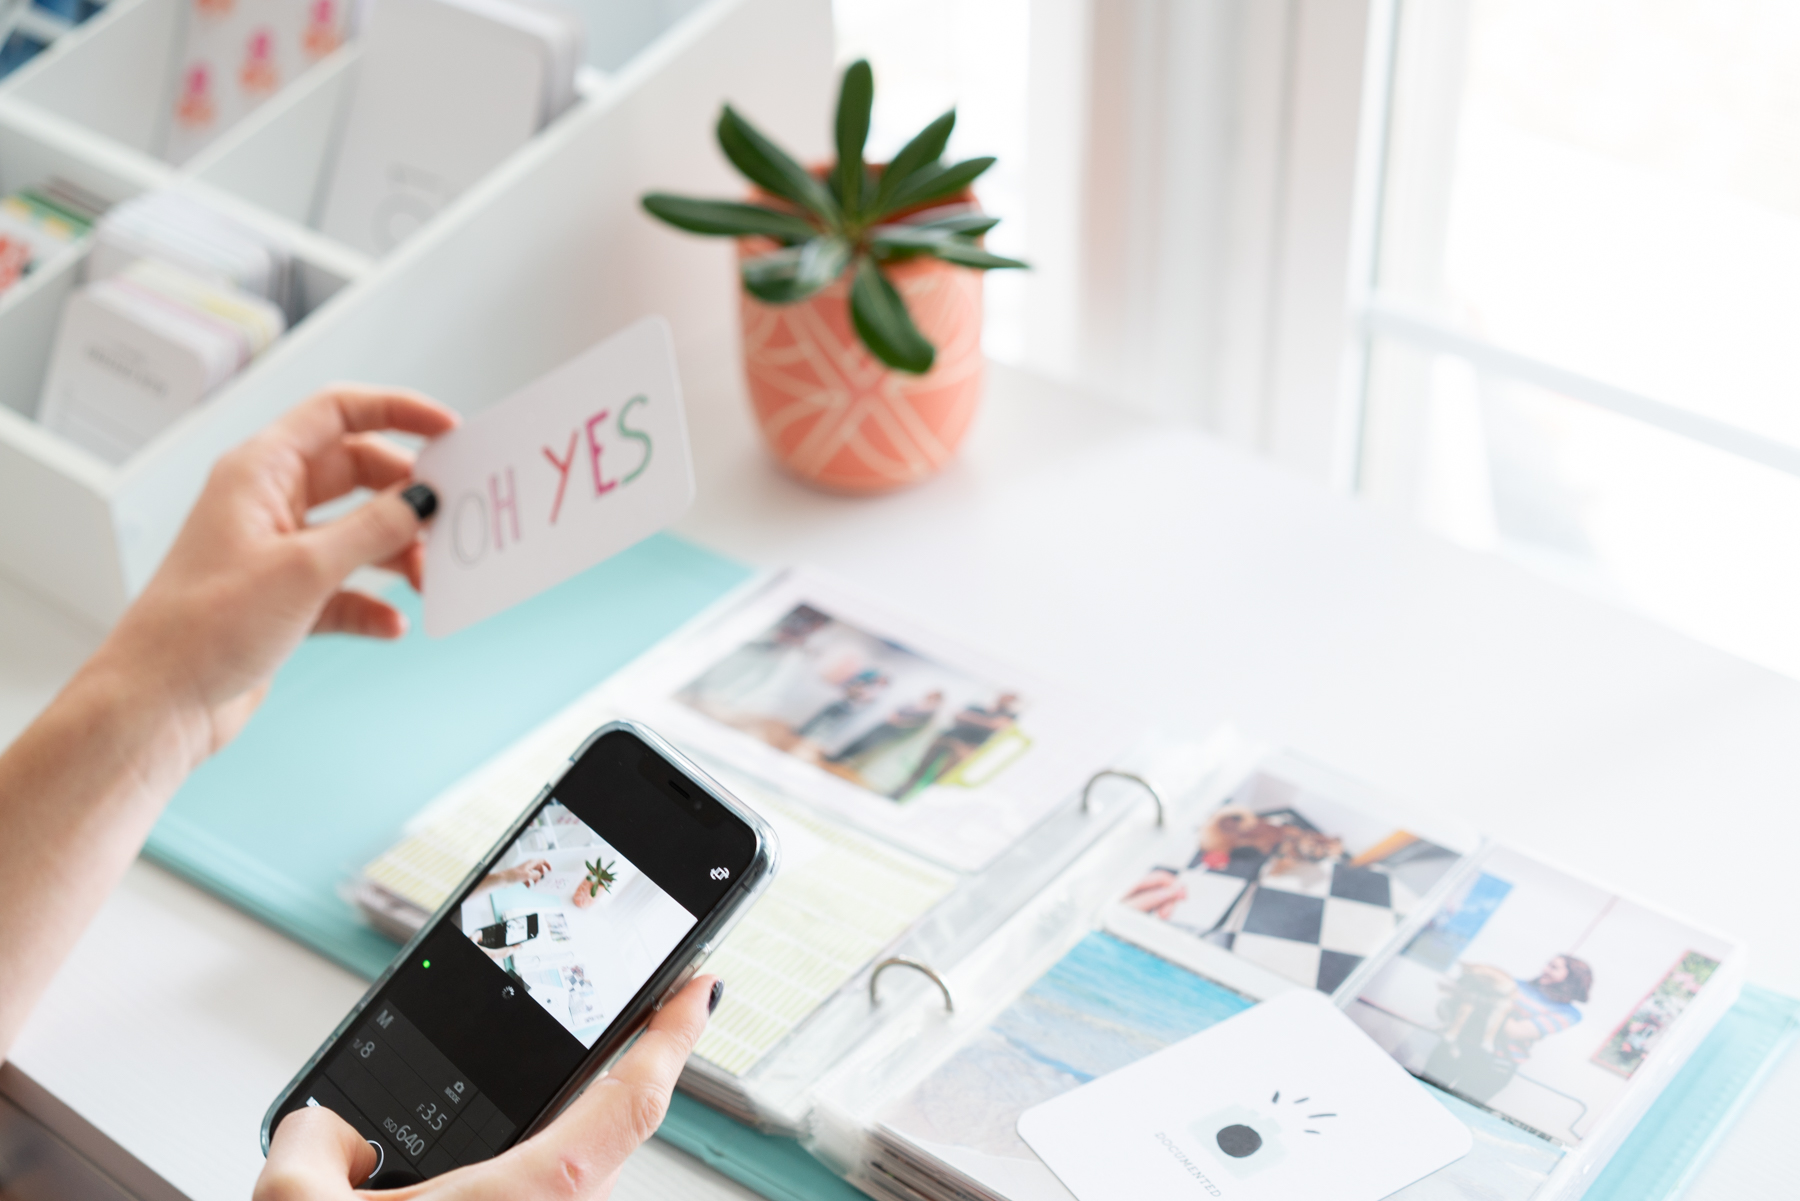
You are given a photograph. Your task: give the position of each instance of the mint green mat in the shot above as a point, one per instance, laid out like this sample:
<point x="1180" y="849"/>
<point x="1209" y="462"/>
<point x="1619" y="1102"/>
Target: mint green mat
<point x="355" y="736"/>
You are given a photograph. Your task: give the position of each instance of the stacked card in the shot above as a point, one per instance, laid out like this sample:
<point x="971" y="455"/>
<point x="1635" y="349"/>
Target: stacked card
<point x="38" y="224"/>
<point x="137" y="349"/>
<point x="186" y="233"/>
<point x="235" y="55"/>
<point x="445" y="91"/>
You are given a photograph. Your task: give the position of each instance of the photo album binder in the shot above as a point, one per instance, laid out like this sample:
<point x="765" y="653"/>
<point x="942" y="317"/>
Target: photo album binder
<point x="994" y="892"/>
<point x="1544" y="1012"/>
<point x="920" y="793"/>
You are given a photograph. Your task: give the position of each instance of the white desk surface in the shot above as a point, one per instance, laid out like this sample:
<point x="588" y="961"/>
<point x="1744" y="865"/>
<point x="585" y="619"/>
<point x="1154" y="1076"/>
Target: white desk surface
<point x="1147" y="564"/>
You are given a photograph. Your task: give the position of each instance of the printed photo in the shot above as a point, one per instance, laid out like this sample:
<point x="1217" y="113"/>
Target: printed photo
<point x="1104" y="1005"/>
<point x="865" y="709"/>
<point x="1293" y="880"/>
<point x="1536" y="994"/>
<point x="1632" y="1042"/>
<point x="573" y="921"/>
<point x="811" y="688"/>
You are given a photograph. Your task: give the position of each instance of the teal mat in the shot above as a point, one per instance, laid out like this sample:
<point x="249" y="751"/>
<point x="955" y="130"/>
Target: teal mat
<point x="775" y="1167"/>
<point x="355" y="736"/>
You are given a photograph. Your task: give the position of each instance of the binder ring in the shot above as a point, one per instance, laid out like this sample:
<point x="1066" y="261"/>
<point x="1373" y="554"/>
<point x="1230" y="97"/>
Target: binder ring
<point x="1087" y="790"/>
<point x="915" y="965"/>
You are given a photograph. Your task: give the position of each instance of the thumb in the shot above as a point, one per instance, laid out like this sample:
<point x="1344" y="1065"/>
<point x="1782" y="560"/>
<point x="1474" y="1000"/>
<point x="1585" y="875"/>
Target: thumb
<point x="377" y="530"/>
<point x="314" y="1154"/>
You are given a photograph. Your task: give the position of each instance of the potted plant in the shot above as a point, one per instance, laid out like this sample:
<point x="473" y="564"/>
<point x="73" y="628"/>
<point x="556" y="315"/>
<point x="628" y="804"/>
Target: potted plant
<point x="861" y="296"/>
<point x="598" y="877"/>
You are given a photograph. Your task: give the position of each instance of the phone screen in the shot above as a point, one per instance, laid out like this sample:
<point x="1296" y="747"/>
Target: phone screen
<point x="542" y="956"/>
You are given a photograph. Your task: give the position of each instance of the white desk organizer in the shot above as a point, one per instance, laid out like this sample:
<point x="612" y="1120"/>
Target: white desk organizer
<point x="543" y="257"/>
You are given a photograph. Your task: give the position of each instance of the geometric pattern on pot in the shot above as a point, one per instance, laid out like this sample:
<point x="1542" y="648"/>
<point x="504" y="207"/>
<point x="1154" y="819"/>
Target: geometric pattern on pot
<point x="836" y="416"/>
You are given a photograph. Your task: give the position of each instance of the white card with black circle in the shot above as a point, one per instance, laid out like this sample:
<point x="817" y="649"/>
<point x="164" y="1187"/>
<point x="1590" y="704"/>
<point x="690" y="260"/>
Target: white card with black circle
<point x="570" y="470"/>
<point x="1287" y="1101"/>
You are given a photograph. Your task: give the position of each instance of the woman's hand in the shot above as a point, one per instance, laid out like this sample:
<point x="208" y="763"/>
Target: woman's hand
<point x="316" y="1156"/>
<point x="1157" y="894"/>
<point x="524" y="873"/>
<point x="247" y="578"/>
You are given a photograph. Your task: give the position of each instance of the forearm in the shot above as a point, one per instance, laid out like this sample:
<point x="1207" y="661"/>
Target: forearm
<point x="79" y="791"/>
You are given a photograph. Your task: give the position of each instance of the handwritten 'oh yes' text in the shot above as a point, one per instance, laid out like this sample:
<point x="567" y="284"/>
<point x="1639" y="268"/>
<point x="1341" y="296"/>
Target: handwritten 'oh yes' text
<point x="481" y="521"/>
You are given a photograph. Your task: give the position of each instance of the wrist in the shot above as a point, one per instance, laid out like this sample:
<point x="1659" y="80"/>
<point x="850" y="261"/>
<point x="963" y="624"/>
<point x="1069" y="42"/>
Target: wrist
<point x="150" y="719"/>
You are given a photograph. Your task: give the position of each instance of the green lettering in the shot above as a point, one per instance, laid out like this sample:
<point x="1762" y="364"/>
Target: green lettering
<point x="635" y="435"/>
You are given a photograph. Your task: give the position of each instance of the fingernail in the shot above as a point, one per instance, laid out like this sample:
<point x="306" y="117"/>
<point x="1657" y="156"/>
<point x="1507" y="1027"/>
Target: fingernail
<point x="718" y="991"/>
<point x="422" y="500"/>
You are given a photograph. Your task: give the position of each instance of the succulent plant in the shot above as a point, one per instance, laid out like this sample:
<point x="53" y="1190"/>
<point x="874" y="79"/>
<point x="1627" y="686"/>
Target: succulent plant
<point x="599" y="877"/>
<point x="855" y="220"/>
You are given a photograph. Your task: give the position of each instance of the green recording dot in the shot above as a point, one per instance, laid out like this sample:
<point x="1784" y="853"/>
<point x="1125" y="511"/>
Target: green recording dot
<point x="428" y="963"/>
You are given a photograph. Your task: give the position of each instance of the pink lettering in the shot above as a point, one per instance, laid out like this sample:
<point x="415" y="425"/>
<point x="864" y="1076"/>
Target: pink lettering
<point x="601" y="487"/>
<point x="562" y="466"/>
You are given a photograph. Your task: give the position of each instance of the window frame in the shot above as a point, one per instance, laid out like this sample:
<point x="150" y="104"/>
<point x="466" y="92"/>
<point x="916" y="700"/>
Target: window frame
<point x="1337" y="87"/>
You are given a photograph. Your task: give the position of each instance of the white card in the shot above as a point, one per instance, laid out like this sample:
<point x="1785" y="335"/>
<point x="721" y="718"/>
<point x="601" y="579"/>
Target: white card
<point x="1287" y="1101"/>
<point x="444" y="92"/>
<point x="122" y="369"/>
<point x="565" y="472"/>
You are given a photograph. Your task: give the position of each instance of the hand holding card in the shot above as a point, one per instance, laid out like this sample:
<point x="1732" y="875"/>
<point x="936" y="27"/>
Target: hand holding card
<point x="566" y="472"/>
<point x="1287" y="1101"/>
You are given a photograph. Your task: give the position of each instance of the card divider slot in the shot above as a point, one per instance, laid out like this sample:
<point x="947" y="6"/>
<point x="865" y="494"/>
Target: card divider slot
<point x="29" y="315"/>
<point x="91" y="160"/>
<point x="36" y="146"/>
<point x="332" y="263"/>
<point x="280" y="156"/>
<point x="111" y="75"/>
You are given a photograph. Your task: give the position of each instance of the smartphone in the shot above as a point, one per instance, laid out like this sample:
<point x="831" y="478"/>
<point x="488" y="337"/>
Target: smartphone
<point x="599" y="903"/>
<point x="509" y="933"/>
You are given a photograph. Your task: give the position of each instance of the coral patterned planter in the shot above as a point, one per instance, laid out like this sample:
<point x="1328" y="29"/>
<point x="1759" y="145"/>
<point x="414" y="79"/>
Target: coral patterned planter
<point x="837" y="417"/>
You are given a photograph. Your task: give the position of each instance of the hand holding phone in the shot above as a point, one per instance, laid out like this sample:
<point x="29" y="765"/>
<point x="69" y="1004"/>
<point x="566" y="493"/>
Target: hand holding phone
<point x="316" y="1154"/>
<point x="586" y="917"/>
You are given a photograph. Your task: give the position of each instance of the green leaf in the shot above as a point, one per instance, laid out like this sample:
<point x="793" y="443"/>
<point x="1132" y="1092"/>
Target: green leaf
<point x="926" y="148"/>
<point x="726" y="218"/>
<point x="821" y="261"/>
<point x="883" y="323"/>
<point x="772" y="168"/>
<point x="971" y="225"/>
<point x="855" y="100"/>
<point x="906" y="237"/>
<point x="965" y="253"/>
<point x="770" y="277"/>
<point x="939" y="184"/>
<point x="795" y="273"/>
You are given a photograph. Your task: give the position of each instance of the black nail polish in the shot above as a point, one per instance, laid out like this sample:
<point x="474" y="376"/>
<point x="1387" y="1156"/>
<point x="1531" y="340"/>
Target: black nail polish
<point x="718" y="991"/>
<point x="422" y="499"/>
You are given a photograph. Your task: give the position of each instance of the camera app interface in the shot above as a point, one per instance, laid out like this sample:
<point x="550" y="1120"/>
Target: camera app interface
<point x="574" y="921"/>
<point x="538" y="959"/>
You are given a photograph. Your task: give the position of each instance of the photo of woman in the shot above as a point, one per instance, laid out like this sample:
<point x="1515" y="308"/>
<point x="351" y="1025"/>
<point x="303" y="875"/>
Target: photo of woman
<point x="866" y="709"/>
<point x="1493" y="1021"/>
<point x="1522" y="992"/>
